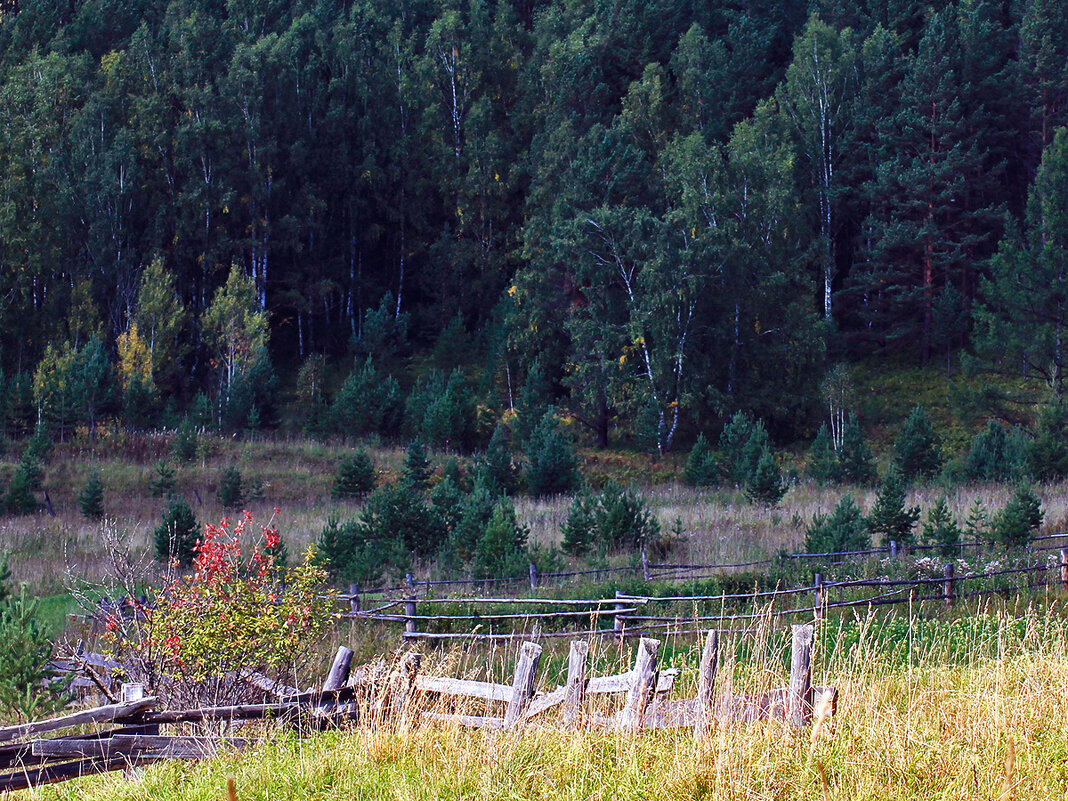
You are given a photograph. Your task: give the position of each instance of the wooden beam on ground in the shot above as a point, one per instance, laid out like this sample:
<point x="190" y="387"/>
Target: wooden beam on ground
<point x="464" y="687"/>
<point x="49" y="774"/>
<point x="100" y="714"/>
<point x="139" y="746"/>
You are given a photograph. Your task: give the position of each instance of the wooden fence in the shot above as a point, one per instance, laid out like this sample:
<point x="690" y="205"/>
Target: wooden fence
<point x="634" y="615"/>
<point x="128" y="733"/>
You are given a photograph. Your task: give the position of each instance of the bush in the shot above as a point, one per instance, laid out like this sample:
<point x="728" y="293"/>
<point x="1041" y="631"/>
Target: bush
<point x="765" y="486"/>
<point x="996" y="454"/>
<point x="823" y="463"/>
<point x="177" y="535"/>
<point x="845" y="529"/>
<point x="28" y="688"/>
<point x="1019" y="520"/>
<point x="230" y="493"/>
<point x="917" y="449"/>
<point x="552" y="468"/>
<point x="941" y="529"/>
<point x="701" y="468"/>
<point x="617" y="518"/>
<point x="889" y="517"/>
<point x="501" y="550"/>
<point x="355" y="476"/>
<point x="91" y="498"/>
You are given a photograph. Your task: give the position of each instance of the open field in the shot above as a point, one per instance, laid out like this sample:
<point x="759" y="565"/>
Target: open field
<point x="973" y="709"/>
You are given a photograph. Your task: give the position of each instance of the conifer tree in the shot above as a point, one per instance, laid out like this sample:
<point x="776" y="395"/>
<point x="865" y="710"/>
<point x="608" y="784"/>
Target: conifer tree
<point x="917" y="449"/>
<point x="552" y="467"/>
<point x="855" y="458"/>
<point x="701" y="468"/>
<point x="765" y="485"/>
<point x="940" y="528"/>
<point x="822" y="460"/>
<point x="417" y="466"/>
<point x="91" y="498"/>
<point x="889" y="517"/>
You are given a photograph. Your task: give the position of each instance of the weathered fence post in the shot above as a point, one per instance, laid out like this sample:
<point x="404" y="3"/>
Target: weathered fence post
<point x="948" y="586"/>
<point x="642" y="687"/>
<point x="645" y="566"/>
<point x="799" y="694"/>
<point x="404" y="682"/>
<point x="354" y="597"/>
<point x="523" y="684"/>
<point x="1064" y="568"/>
<point x="409" y="581"/>
<point x="706" y="683"/>
<point x="893" y="549"/>
<point x="410" y="626"/>
<point x="820" y="600"/>
<point x="575" y="688"/>
<point x="533" y="576"/>
<point x="339" y="670"/>
<point x="618" y="622"/>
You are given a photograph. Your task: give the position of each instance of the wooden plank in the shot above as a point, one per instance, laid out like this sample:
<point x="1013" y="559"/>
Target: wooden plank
<point x="621" y="683"/>
<point x="137" y="745"/>
<point x="476" y="721"/>
<point x="49" y="774"/>
<point x="21" y="754"/>
<point x="799" y="693"/>
<point x="526" y="672"/>
<point x="238" y="712"/>
<point x="545" y="702"/>
<point x="706" y="683"/>
<point x="100" y="714"/>
<point x="339" y="670"/>
<point x="270" y="686"/>
<point x="464" y="687"/>
<point x="643" y="685"/>
<point x="577" y="681"/>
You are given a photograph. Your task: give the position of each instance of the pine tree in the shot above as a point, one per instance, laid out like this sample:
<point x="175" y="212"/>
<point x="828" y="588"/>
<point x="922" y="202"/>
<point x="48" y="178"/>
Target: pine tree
<point x="1048" y="452"/>
<point x="230" y="493"/>
<point x="889" y="516"/>
<point x="1022" y="516"/>
<point x="855" y="458"/>
<point x="765" y="485"/>
<point x="162" y="486"/>
<point x="501" y="550"/>
<point x="91" y="498"/>
<point x="939" y="528"/>
<point x="177" y="535"/>
<point x="552" y="468"/>
<point x="845" y="529"/>
<point x="976" y="524"/>
<point x="579" y="528"/>
<point x="917" y="449"/>
<point x="355" y="476"/>
<point x="498" y="469"/>
<point x="20" y="499"/>
<point x="822" y="460"/>
<point x="417" y="466"/>
<point x="701" y="468"/>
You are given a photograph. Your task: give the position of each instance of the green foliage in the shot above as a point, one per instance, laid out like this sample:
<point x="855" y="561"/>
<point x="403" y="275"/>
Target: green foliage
<point x="580" y="527"/>
<point x="396" y="515"/>
<point x="701" y="468"/>
<point x="385" y="331"/>
<point x="534" y="400"/>
<point x="91" y="498"/>
<point x="889" y="517"/>
<point x="844" y="529"/>
<point x="20" y="499"/>
<point x="417" y="467"/>
<point x="368" y="404"/>
<point x="765" y="486"/>
<point x="613" y="520"/>
<point x="1047" y="454"/>
<point x="162" y="485"/>
<point x="471" y="516"/>
<point x="1021" y="518"/>
<point x="184" y="442"/>
<point x="230" y="493"/>
<point x="996" y="454"/>
<point x="28" y="689"/>
<point x="498" y="469"/>
<point x="917" y="449"/>
<point x="742" y="443"/>
<point x="977" y="524"/>
<point x="501" y="550"/>
<point x="448" y="420"/>
<point x="177" y="534"/>
<point x="552" y="468"/>
<point x="855" y="460"/>
<point x="355" y="476"/>
<point x="941" y="529"/>
<point x="823" y="463"/>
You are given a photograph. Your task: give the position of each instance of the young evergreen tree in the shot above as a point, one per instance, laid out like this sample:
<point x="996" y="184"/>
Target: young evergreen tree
<point x="996" y="455"/>
<point x="917" y="449"/>
<point x="701" y="468"/>
<point x="941" y="529"/>
<point x="230" y="493"/>
<point x="855" y="458"/>
<point x="498" y="468"/>
<point x="417" y="467"/>
<point x="765" y="485"/>
<point x="823" y="463"/>
<point x="20" y="499"/>
<point x="1021" y="518"/>
<point x="580" y="526"/>
<point x="552" y="468"/>
<point x="177" y="535"/>
<point x="622" y="520"/>
<point x="162" y="486"/>
<point x="735" y="444"/>
<point x="844" y="529"/>
<point x="889" y="517"/>
<point x="184" y="442"/>
<point x="28" y="689"/>
<point x="501" y="550"/>
<point x="355" y="476"/>
<point x="91" y="498"/>
<point x="977" y="524"/>
<point x="1047" y="453"/>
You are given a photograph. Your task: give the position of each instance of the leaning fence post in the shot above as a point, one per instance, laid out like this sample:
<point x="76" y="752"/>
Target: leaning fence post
<point x="893" y="549"/>
<point x="409" y="606"/>
<point x="645" y="566"/>
<point x="339" y="670"/>
<point x="1064" y="568"/>
<point x="618" y="622"/>
<point x="820" y="600"/>
<point x="522" y="684"/>
<point x="575" y="688"/>
<point x="642" y="687"/>
<point x="533" y="576"/>
<point x="405" y="683"/>
<point x="948" y="591"/>
<point x="706" y="683"/>
<point x="799" y="694"/>
<point x="354" y="597"/>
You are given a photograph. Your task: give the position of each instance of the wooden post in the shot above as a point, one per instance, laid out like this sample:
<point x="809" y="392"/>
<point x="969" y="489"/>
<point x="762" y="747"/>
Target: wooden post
<point x="404" y="683"/>
<point x="642" y="686"/>
<point x="575" y="688"/>
<point x="354" y="597"/>
<point x="533" y="570"/>
<point x="410" y="622"/>
<point x="947" y="588"/>
<point x="409" y="580"/>
<point x="799" y="694"/>
<point x="893" y="549"/>
<point x="522" y="684"/>
<point x="645" y="566"/>
<point x="1064" y="568"/>
<point x="339" y="671"/>
<point x="706" y="683"/>
<point x="617" y="621"/>
<point x="820" y="600"/>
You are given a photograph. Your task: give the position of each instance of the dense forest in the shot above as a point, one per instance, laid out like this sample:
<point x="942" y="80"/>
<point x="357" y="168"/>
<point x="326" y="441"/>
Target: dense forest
<point x="650" y="213"/>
